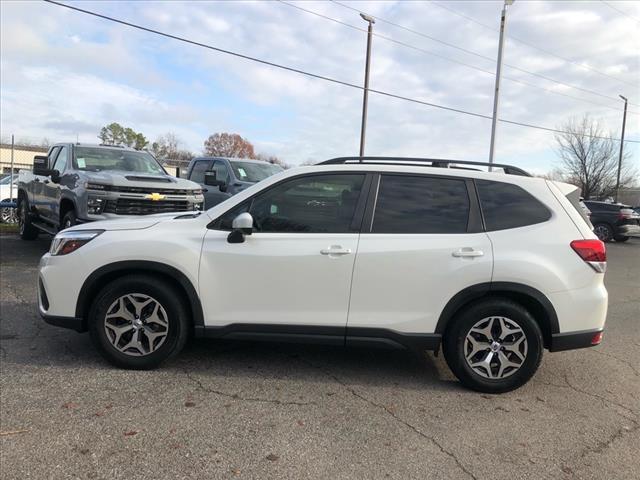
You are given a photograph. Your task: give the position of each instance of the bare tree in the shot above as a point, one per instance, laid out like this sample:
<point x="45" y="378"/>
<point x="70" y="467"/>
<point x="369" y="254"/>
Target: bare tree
<point x="167" y="147"/>
<point x="228" y="145"/>
<point x="589" y="157"/>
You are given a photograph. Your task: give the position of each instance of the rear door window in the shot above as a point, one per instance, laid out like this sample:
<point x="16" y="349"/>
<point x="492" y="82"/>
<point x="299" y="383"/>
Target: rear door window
<point x="421" y="204"/>
<point x="505" y="205"/>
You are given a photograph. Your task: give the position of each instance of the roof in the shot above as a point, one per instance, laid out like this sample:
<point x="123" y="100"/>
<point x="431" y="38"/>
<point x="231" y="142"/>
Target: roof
<point x="233" y="159"/>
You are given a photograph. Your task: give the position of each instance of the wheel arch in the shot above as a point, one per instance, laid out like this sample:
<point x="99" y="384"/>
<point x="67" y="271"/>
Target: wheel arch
<point x="530" y="298"/>
<point x="108" y="273"/>
<point x="66" y="205"/>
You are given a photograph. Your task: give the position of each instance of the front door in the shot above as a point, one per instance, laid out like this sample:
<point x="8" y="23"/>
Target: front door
<point x="296" y="266"/>
<point x="422" y="246"/>
<point x="51" y="191"/>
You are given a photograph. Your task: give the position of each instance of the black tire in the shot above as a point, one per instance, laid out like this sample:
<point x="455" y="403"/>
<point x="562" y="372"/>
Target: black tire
<point x="620" y="238"/>
<point x="26" y="228"/>
<point x="69" y="220"/>
<point x="604" y="231"/>
<point x="165" y="295"/>
<point x="460" y="326"/>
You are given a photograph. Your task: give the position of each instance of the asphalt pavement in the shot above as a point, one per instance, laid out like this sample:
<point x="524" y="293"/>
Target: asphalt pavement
<point x="250" y="410"/>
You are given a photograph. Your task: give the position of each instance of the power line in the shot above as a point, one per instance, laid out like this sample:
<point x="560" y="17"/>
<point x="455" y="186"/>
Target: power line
<point x="529" y="44"/>
<point x="303" y="72"/>
<point x="428" y="52"/>
<point x="621" y="12"/>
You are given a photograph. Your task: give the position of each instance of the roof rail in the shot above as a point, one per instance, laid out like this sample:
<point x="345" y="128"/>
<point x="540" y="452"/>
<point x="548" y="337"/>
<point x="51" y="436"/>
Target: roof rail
<point x="430" y="162"/>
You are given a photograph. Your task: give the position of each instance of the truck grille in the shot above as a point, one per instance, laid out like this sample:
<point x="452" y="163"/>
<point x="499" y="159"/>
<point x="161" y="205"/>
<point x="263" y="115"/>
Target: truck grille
<point x="135" y="206"/>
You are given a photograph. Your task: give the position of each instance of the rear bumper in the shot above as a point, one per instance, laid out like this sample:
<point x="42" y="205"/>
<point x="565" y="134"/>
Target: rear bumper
<point x="574" y="340"/>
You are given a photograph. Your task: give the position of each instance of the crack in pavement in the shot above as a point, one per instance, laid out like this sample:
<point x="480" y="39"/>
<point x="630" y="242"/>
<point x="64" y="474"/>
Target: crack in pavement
<point x="236" y="396"/>
<point x="412" y="427"/>
<point x="625" y="362"/>
<point x="603" y="445"/>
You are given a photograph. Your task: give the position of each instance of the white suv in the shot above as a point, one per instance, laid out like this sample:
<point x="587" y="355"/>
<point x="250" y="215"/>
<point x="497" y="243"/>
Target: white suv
<point x="410" y="253"/>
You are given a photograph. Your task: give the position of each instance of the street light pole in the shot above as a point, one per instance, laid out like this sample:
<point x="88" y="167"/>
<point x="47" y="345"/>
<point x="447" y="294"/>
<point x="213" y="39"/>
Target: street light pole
<point x="624" y="122"/>
<point x="496" y="93"/>
<point x="365" y="99"/>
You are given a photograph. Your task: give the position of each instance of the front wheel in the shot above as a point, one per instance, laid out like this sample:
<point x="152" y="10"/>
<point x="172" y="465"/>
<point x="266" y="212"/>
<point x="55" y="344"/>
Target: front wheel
<point x="494" y="346"/>
<point x="138" y="322"/>
<point x="69" y="220"/>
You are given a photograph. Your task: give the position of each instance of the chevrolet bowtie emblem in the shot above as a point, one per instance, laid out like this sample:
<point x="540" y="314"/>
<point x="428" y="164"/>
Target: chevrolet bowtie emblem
<point x="155" y="196"/>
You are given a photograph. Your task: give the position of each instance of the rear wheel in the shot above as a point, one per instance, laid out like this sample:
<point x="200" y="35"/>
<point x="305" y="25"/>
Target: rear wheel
<point x="26" y="228"/>
<point x="603" y="231"/>
<point x="493" y="346"/>
<point x="138" y="322"/>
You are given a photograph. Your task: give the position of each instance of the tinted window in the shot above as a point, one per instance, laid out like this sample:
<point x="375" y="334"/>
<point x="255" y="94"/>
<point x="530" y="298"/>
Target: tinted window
<point x="253" y="171"/>
<point x="222" y="172"/>
<point x="416" y="204"/>
<point x="61" y="161"/>
<point x="309" y="204"/>
<point x="508" y="206"/>
<point x="197" y="172"/>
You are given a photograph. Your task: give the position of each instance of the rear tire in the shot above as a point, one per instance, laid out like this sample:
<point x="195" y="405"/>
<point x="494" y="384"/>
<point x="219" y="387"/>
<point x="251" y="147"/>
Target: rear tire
<point x="137" y="322"/>
<point x="621" y="239"/>
<point x="603" y="231"/>
<point x="500" y="361"/>
<point x="26" y="228"/>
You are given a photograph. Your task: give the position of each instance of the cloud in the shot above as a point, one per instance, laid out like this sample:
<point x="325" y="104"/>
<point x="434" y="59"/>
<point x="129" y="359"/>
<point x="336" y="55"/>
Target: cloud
<point x="62" y="71"/>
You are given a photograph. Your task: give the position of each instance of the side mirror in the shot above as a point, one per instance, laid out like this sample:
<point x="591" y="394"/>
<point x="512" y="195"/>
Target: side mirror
<point x="55" y="176"/>
<point x="41" y="165"/>
<point x="210" y="178"/>
<point x="242" y="225"/>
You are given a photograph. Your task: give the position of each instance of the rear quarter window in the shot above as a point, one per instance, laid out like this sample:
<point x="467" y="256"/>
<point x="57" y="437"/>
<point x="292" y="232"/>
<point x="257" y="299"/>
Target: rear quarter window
<point x="505" y="206"/>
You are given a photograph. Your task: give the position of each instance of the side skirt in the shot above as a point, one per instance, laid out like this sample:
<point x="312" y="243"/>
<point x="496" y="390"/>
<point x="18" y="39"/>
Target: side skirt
<point x="322" y="335"/>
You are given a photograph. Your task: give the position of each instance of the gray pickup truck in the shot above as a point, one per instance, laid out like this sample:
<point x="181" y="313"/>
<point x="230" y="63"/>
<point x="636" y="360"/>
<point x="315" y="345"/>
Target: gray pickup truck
<point x="76" y="183"/>
<point x="221" y="177"/>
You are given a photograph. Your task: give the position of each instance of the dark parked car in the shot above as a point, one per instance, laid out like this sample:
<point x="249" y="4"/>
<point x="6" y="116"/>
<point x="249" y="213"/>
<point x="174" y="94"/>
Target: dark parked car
<point x="224" y="177"/>
<point x="613" y="221"/>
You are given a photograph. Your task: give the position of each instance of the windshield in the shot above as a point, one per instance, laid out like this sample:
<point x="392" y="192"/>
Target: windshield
<point x="7" y="180"/>
<point x="253" y="171"/>
<point x="98" y="159"/>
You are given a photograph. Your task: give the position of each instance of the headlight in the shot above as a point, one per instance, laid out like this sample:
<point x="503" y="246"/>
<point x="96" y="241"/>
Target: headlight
<point x="196" y="192"/>
<point x="67" y="242"/>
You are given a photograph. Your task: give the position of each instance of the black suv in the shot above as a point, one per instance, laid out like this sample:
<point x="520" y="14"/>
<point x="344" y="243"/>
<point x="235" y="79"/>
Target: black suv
<point x="613" y="221"/>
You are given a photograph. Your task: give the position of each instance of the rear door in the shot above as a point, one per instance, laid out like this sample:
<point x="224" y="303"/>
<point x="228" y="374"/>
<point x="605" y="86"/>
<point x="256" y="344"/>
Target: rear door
<point x="422" y="245"/>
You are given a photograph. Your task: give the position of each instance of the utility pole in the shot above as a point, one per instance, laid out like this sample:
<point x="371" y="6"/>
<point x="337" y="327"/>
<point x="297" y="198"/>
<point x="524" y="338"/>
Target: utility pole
<point x="11" y="178"/>
<point x="365" y="99"/>
<point x="624" y="123"/>
<point x="496" y="93"/>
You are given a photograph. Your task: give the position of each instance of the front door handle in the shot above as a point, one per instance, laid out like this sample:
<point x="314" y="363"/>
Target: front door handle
<point x="468" y="252"/>
<point x="335" y="250"/>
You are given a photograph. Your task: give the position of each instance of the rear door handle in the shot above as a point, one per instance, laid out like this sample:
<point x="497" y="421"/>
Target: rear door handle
<point x="335" y="250"/>
<point x="468" y="252"/>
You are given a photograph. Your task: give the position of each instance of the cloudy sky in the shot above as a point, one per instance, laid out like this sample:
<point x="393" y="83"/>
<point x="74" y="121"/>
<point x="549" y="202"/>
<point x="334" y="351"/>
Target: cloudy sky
<point x="65" y="74"/>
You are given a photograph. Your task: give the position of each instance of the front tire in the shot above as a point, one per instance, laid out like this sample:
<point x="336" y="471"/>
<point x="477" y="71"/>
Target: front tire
<point x="493" y="346"/>
<point x="69" y="220"/>
<point x="137" y="322"/>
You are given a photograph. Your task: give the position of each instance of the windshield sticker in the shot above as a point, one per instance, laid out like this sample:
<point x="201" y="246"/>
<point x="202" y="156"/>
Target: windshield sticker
<point x="242" y="172"/>
<point x="81" y="163"/>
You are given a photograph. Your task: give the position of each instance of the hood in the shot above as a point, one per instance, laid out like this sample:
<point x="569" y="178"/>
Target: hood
<point x="133" y="223"/>
<point x="122" y="178"/>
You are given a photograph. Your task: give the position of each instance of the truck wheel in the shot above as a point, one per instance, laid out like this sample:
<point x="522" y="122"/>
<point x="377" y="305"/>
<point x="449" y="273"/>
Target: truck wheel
<point x="138" y="322"/>
<point x="493" y="346"/>
<point x="603" y="231"/>
<point x="69" y="220"/>
<point x="27" y="230"/>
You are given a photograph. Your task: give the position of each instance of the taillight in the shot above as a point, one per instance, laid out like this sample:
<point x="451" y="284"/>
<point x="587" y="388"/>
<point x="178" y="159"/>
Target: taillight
<point x="593" y="252"/>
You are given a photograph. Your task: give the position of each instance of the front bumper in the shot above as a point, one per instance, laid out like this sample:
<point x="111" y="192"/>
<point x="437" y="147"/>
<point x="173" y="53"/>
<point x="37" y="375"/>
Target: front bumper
<point x="574" y="340"/>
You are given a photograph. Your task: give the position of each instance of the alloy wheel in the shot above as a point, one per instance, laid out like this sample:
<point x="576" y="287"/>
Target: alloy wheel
<point x="136" y="324"/>
<point x="602" y="232"/>
<point x="495" y="347"/>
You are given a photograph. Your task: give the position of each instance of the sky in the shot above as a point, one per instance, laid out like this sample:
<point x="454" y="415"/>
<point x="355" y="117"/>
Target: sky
<point x="65" y="74"/>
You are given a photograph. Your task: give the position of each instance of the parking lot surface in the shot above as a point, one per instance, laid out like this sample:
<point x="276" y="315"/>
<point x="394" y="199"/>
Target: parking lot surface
<point x="249" y="410"/>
